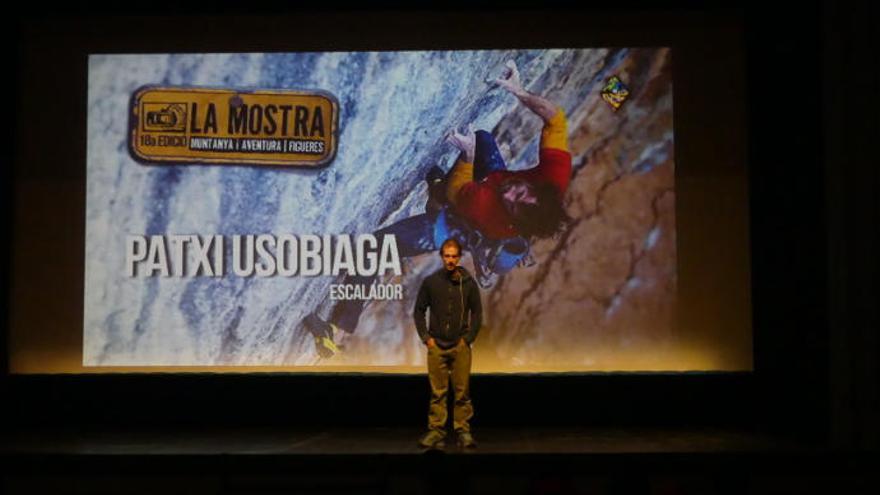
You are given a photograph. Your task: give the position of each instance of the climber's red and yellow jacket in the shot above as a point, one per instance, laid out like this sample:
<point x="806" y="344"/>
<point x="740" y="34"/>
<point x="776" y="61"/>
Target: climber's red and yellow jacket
<point x="480" y="202"/>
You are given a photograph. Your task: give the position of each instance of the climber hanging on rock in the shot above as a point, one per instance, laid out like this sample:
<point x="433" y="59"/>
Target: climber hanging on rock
<point x="493" y="212"/>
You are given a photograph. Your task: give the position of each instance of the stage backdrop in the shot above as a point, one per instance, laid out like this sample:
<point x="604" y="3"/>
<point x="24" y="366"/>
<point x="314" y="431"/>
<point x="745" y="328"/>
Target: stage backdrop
<point x="240" y="204"/>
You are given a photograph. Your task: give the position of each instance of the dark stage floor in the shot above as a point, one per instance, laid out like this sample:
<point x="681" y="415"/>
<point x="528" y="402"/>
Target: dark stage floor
<point x="387" y="441"/>
<point x="386" y="460"/>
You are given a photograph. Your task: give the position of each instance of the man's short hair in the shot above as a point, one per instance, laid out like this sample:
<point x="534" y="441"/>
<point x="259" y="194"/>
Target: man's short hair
<point x="450" y="242"/>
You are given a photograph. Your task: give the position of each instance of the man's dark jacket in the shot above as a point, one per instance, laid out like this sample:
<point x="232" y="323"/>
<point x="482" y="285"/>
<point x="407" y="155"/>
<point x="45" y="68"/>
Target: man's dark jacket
<point x="450" y="301"/>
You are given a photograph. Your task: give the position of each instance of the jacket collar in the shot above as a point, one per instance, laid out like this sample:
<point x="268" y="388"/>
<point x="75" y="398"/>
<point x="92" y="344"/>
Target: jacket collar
<point x="464" y="273"/>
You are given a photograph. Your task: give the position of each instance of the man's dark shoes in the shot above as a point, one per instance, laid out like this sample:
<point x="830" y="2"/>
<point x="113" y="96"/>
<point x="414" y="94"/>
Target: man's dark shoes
<point x="432" y="440"/>
<point x="466" y="440"/>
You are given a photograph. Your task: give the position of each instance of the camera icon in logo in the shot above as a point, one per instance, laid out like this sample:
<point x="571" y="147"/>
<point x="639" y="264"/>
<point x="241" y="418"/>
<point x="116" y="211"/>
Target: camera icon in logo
<point x="164" y="117"/>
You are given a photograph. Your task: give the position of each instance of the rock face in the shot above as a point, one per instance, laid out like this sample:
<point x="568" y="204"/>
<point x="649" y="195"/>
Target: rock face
<point x="600" y="295"/>
<point x="603" y="292"/>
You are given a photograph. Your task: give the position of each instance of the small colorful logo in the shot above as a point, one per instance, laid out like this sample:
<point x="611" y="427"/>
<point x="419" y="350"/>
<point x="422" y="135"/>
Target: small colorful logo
<point x="615" y="92"/>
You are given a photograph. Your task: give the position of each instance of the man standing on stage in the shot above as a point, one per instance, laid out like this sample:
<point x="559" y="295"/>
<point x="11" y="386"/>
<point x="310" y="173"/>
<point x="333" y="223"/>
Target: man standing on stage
<point x="456" y="314"/>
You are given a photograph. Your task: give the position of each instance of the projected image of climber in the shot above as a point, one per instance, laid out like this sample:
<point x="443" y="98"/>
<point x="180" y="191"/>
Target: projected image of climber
<point x="491" y="211"/>
<point x="280" y="210"/>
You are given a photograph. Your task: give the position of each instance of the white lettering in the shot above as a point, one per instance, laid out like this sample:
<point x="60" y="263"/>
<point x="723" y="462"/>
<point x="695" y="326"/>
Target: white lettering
<point x="362" y="268"/>
<point x="310" y="255"/>
<point x="178" y="245"/>
<point x="342" y="256"/>
<point x="135" y="251"/>
<point x="203" y="261"/>
<point x="157" y="258"/>
<point x="265" y="255"/>
<point x="389" y="258"/>
<point x="243" y="268"/>
<point x="286" y="242"/>
<point x="266" y="266"/>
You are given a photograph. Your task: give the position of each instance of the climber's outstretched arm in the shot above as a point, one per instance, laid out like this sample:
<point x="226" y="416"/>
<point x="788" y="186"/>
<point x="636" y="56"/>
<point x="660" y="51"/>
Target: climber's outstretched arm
<point x="463" y="170"/>
<point x="543" y="107"/>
